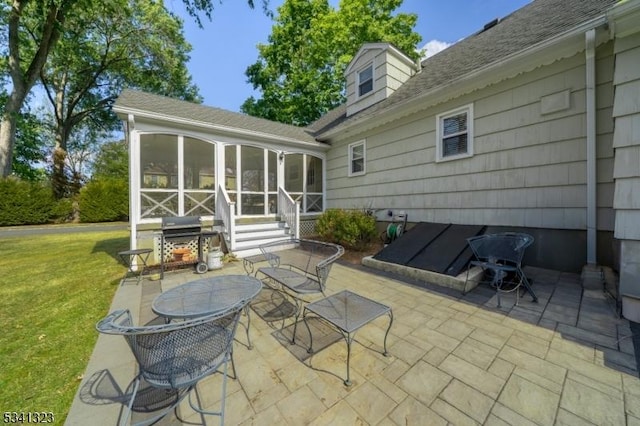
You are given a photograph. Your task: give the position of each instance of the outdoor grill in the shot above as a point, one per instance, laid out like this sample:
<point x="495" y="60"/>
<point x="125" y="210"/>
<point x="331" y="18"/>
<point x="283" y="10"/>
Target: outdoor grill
<point x="179" y="227"/>
<point x="183" y="231"/>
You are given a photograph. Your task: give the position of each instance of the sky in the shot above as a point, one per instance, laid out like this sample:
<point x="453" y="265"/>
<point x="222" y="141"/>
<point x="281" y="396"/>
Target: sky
<point x="225" y="46"/>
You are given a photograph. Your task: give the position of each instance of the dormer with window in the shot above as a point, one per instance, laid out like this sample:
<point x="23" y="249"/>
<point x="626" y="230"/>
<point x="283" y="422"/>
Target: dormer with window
<point x="375" y="72"/>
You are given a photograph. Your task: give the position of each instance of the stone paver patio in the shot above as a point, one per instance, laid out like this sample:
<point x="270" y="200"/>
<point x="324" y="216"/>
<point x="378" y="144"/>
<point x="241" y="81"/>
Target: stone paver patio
<point x="566" y="360"/>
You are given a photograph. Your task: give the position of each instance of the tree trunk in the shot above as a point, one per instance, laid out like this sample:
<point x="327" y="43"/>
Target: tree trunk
<point x="7" y="141"/>
<point x="8" y="126"/>
<point x="59" y="179"/>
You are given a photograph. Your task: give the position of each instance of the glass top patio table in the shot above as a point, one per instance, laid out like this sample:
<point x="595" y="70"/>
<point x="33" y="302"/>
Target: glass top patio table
<point x="206" y="296"/>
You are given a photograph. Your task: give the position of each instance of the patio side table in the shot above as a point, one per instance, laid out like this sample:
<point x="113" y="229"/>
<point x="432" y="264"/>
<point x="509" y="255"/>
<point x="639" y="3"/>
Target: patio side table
<point x="348" y="312"/>
<point x="136" y="257"/>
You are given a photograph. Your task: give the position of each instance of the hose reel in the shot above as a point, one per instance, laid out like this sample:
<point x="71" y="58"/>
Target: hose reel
<point x="396" y="228"/>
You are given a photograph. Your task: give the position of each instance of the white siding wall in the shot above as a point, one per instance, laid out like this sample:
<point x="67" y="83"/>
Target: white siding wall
<point x="627" y="138"/>
<point x="626" y="171"/>
<point x="355" y="103"/>
<point x="395" y="72"/>
<point x="528" y="168"/>
<point x="389" y="72"/>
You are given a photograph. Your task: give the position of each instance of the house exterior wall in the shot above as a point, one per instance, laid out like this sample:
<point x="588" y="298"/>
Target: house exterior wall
<point x="355" y="103"/>
<point x="389" y="72"/>
<point x="626" y="143"/>
<point x="395" y="72"/>
<point x="627" y="138"/>
<point x="529" y="164"/>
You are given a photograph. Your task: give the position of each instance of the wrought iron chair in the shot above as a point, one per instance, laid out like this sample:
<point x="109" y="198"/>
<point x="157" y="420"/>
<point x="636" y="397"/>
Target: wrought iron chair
<point x="176" y="356"/>
<point x="500" y="255"/>
<point x="299" y="268"/>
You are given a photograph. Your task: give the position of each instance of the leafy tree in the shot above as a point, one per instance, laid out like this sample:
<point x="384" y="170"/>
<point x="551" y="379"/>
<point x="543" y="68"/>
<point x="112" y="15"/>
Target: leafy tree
<point x="112" y="161"/>
<point x="29" y="32"/>
<point x="300" y="72"/>
<point x="115" y="43"/>
<point x="30" y="139"/>
<point x="31" y="28"/>
<point x="30" y="155"/>
<point x="83" y="145"/>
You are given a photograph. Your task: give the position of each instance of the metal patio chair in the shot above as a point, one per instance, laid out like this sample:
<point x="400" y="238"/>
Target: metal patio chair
<point x="174" y="357"/>
<point x="298" y="268"/>
<point x="500" y="255"/>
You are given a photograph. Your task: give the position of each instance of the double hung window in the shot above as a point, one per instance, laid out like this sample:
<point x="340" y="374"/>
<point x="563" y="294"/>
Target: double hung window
<point x="365" y="80"/>
<point x="357" y="158"/>
<point x="454" y="131"/>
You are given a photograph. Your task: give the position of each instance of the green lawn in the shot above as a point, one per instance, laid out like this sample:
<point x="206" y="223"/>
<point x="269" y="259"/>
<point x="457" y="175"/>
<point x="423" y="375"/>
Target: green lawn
<point x="53" y="289"/>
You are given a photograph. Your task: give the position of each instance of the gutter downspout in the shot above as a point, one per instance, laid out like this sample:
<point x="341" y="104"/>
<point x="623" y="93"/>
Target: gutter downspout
<point x="590" y="60"/>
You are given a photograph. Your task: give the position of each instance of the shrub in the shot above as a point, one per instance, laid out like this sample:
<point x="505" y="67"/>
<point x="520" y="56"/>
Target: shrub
<point x="63" y="211"/>
<point x="26" y="203"/>
<point x="353" y="229"/>
<point x="105" y="199"/>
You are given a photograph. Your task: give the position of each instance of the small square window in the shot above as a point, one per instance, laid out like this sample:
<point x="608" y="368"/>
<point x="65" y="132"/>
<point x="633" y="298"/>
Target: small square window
<point x="357" y="158"/>
<point x="454" y="134"/>
<point x="365" y="80"/>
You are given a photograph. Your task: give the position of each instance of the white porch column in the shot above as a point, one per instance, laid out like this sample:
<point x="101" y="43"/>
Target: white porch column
<point x="280" y="174"/>
<point x="134" y="179"/>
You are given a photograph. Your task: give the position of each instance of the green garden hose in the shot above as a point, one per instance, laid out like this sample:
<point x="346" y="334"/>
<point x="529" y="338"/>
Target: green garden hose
<point x="394" y="230"/>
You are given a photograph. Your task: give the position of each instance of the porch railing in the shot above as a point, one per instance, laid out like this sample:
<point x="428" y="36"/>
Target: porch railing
<point x="289" y="211"/>
<point x="226" y="211"/>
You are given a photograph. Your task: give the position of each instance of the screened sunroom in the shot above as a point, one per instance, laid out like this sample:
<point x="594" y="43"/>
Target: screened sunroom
<point x="229" y="169"/>
<point x="179" y="176"/>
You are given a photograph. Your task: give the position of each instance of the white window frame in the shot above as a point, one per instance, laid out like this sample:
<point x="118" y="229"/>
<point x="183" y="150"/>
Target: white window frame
<point x="352" y="147"/>
<point x="361" y="82"/>
<point x="440" y="136"/>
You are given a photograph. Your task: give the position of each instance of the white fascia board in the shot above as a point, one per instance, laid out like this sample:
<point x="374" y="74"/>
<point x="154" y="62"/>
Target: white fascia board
<point x="624" y="18"/>
<point x="382" y="46"/>
<point x="365" y="47"/>
<point x="400" y="54"/>
<point x="544" y="53"/>
<point x="234" y="131"/>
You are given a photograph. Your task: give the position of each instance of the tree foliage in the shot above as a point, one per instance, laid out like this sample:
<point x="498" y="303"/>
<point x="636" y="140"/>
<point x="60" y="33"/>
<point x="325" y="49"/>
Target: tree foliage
<point x="112" y="161"/>
<point x="31" y="28"/>
<point x="300" y="72"/>
<point x="113" y="44"/>
<point x="104" y="200"/>
<point x="29" y="33"/>
<point x="82" y="146"/>
<point x="25" y="203"/>
<point x="30" y="154"/>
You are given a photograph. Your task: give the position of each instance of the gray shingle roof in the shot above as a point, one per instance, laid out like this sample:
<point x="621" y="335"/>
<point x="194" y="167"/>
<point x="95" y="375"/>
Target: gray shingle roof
<point x="536" y="22"/>
<point x="169" y="107"/>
